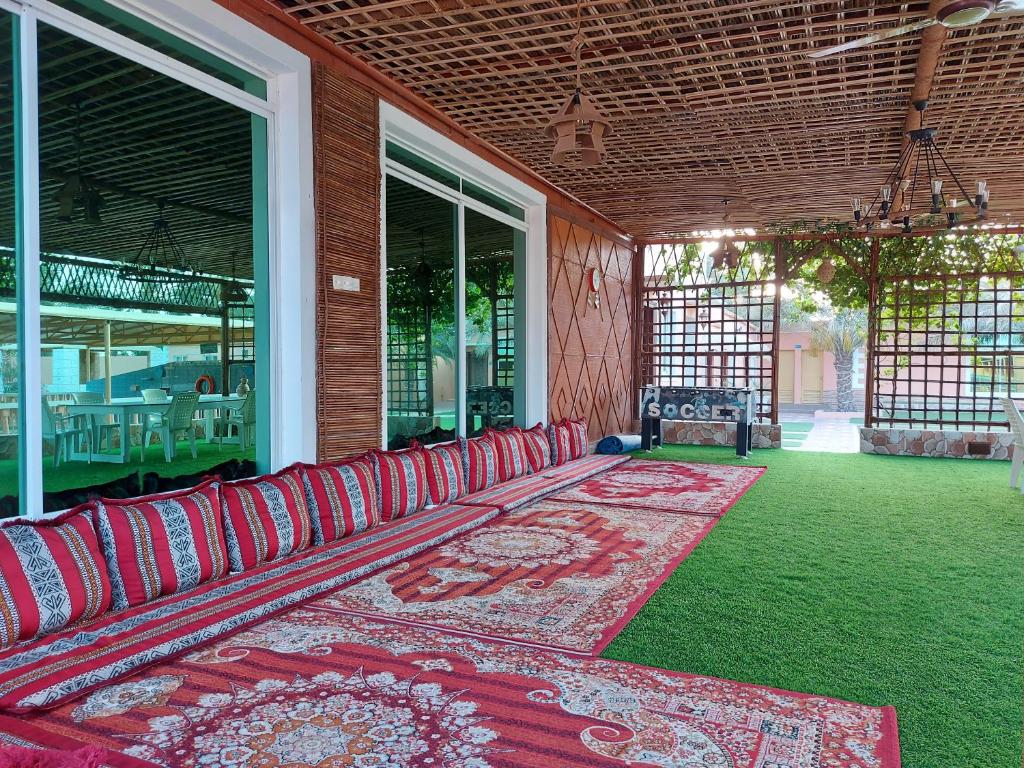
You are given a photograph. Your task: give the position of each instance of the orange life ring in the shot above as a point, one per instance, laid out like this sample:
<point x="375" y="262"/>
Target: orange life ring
<point x="211" y="385"/>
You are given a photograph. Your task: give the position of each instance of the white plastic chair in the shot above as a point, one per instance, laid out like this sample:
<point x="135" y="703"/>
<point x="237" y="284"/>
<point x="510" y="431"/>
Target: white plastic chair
<point x="1017" y="428"/>
<point x="242" y="419"/>
<point x="62" y="431"/>
<point x="176" y="420"/>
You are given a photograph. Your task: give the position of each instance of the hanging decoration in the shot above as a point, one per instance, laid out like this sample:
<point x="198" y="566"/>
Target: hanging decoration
<point x="915" y="188"/>
<point x="826" y="270"/>
<point x="727" y="255"/>
<point x="160" y="259"/>
<point x="592" y="279"/>
<point x="578" y="128"/>
<point x="77" y="191"/>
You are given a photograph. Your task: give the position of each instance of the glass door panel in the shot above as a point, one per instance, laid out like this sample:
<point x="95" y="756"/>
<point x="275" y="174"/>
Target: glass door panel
<point x="422" y="335"/>
<point x="148" y="272"/>
<point x="10" y="365"/>
<point x="493" y="251"/>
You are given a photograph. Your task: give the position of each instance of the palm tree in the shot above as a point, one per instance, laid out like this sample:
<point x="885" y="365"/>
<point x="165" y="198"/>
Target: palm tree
<point x="842" y="332"/>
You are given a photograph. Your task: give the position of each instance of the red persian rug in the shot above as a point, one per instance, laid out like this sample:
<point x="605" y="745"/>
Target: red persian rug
<point x="668" y="486"/>
<point x="561" y="575"/>
<point x="315" y="688"/>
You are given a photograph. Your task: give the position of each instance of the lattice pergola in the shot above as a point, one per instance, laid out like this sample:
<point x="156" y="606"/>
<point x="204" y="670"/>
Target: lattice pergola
<point x="707" y="100"/>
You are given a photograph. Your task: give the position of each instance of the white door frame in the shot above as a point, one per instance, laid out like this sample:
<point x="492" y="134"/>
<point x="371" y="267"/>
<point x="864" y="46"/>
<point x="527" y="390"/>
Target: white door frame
<point x="291" y="371"/>
<point x="402" y="128"/>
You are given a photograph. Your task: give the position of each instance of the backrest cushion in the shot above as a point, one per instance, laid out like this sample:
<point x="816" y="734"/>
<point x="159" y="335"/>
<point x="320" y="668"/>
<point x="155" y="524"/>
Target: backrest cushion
<point x="537" y="447"/>
<point x="558" y="439"/>
<point x="510" y="454"/>
<point x="401" y="482"/>
<point x="342" y="498"/>
<point x="265" y="518"/>
<point x="446" y="477"/>
<point x="568" y="441"/>
<point x="579" y="442"/>
<point x="480" y="462"/>
<point x="52" y="574"/>
<point x="162" y="544"/>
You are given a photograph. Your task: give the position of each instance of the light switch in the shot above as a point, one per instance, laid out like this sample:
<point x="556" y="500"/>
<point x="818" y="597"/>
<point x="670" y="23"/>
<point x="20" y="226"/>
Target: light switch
<point x="346" y="283"/>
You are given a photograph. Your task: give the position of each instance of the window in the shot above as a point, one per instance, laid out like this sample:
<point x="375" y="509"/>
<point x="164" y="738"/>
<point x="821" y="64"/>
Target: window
<point x="454" y="267"/>
<point x="135" y="250"/>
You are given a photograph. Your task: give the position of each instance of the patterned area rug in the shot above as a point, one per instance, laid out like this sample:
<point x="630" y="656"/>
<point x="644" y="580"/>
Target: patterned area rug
<point x="315" y="688"/>
<point x="669" y="486"/>
<point x="561" y="575"/>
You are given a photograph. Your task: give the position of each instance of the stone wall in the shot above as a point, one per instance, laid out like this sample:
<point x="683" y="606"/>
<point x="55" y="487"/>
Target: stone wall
<point x="935" y="443"/>
<point x="718" y="433"/>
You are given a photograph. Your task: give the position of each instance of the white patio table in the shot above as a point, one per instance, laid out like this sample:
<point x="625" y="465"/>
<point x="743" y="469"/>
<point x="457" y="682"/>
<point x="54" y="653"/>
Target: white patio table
<point x="123" y="408"/>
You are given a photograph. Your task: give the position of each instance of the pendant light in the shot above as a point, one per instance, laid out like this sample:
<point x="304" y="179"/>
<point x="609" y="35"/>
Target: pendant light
<point x="578" y="128"/>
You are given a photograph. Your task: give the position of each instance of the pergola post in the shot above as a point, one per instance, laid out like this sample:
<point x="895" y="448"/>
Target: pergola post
<point x="869" y="362"/>
<point x="107" y="383"/>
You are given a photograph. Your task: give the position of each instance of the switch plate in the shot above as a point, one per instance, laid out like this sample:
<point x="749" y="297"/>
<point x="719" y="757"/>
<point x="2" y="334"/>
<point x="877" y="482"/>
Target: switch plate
<point x="346" y="283"/>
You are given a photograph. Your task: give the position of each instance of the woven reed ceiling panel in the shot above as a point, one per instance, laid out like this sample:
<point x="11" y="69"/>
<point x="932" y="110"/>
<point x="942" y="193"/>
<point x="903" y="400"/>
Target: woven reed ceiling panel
<point x="589" y="347"/>
<point x="347" y="179"/>
<point x="707" y="99"/>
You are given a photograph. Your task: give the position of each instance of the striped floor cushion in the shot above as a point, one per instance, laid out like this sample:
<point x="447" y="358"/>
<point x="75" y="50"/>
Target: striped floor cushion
<point x="523" y="490"/>
<point x="43" y="673"/>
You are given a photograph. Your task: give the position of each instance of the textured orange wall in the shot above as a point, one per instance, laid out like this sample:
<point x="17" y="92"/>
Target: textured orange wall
<point x="589" y="350"/>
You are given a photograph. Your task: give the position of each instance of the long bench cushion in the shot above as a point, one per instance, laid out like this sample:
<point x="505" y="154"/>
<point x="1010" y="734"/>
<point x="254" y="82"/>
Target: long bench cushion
<point x="160" y="544"/>
<point x="523" y="490"/>
<point x="51" y="574"/>
<point x="51" y="670"/>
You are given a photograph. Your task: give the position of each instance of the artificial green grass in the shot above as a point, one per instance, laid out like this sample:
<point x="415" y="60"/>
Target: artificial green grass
<point x="80" y="474"/>
<point x="877" y="579"/>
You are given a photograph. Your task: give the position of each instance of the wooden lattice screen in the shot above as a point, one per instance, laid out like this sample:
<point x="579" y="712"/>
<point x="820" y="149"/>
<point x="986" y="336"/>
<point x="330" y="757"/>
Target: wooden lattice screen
<point x="708" y="326"/>
<point x="947" y="348"/>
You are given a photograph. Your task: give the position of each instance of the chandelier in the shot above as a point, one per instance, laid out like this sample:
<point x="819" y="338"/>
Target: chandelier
<point x="160" y="259"/>
<point x="916" y="188"/>
<point x="578" y="128"/>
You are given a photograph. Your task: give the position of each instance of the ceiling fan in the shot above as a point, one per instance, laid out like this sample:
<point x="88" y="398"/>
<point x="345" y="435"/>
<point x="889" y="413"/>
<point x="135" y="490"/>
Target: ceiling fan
<point x="954" y="15"/>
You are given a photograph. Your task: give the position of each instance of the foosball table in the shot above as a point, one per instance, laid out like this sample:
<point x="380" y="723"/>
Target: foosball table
<point x="729" y="404"/>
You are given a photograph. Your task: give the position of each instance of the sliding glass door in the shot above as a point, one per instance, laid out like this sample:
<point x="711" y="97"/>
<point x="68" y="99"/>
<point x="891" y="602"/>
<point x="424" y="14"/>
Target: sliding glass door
<point x="455" y="257"/>
<point x="134" y="346"/>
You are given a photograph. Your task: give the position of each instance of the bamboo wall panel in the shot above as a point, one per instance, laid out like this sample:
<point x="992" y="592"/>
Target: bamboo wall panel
<point x="590" y="349"/>
<point x="347" y="178"/>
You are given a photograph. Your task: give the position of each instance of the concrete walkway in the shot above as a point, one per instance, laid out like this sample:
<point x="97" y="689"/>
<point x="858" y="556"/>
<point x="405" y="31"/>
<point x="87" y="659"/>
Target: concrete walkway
<point x="833" y="434"/>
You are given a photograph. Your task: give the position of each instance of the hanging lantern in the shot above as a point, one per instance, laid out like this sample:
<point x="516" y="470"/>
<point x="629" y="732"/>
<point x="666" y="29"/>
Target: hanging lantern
<point x="578" y="128"/>
<point x="826" y="271"/>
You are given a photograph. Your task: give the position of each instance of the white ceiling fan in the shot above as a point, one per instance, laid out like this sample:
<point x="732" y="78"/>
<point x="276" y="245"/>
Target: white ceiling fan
<point x="954" y="15"/>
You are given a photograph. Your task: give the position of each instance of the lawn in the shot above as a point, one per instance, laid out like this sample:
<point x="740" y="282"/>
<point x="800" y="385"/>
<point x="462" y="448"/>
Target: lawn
<point x="79" y="474"/>
<point x="877" y="579"/>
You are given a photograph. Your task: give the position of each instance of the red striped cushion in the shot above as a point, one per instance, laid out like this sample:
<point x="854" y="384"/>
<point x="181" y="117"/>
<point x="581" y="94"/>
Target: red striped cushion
<point x="51" y="574"/>
<point x="579" y="443"/>
<point x="162" y="544"/>
<point x="265" y="518"/>
<point x="401" y="482"/>
<point x="479" y="462"/>
<point x="446" y="478"/>
<point x="342" y="498"/>
<point x="537" y="447"/>
<point x="558" y="437"/>
<point x="510" y="454"/>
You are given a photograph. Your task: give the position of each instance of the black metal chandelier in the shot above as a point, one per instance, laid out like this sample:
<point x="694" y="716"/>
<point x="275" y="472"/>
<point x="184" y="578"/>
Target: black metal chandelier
<point x="916" y="188"/>
<point x="160" y="259"/>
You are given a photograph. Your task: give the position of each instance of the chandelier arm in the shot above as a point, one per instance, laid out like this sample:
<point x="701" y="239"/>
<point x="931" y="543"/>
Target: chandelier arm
<point x="891" y="178"/>
<point x="913" y="186"/>
<point x="953" y="175"/>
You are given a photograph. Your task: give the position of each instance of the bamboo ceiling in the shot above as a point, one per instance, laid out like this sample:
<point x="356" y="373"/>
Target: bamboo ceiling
<point x="144" y="137"/>
<point x="708" y="99"/>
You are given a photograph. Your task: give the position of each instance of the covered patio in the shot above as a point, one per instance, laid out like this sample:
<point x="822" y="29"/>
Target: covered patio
<point x="638" y="384"/>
